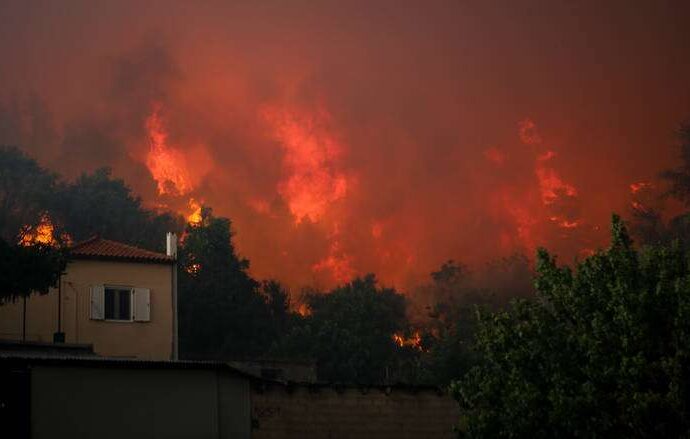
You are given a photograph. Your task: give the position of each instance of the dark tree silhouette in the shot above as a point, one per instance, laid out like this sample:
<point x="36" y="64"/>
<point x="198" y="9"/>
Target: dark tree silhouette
<point x="348" y="332"/>
<point x="679" y="178"/>
<point x="27" y="191"/>
<point x="25" y="270"/>
<point x="647" y="223"/>
<point x="98" y="204"/>
<point x="223" y="314"/>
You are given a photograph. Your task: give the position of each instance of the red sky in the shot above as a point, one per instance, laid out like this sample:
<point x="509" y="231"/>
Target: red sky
<point x="351" y="137"/>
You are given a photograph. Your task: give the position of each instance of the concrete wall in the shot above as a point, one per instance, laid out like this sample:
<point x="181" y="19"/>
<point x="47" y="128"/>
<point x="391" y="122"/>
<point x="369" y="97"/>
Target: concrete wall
<point x="137" y="403"/>
<point x="147" y="340"/>
<point x="348" y="413"/>
<point x="234" y="407"/>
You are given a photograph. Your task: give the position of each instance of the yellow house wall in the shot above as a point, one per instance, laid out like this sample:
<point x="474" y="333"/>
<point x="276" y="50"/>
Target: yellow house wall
<point x="147" y="340"/>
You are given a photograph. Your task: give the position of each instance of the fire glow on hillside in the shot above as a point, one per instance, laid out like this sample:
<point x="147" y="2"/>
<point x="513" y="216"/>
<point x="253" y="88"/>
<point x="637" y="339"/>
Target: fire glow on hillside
<point x="313" y="183"/>
<point x="342" y="143"/>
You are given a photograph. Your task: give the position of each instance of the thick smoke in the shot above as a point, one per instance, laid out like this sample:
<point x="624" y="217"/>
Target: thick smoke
<point x="346" y="138"/>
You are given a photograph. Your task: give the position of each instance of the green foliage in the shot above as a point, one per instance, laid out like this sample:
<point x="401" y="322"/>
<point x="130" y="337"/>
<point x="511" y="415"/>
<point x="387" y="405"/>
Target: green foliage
<point x="28" y="269"/>
<point x="348" y="331"/>
<point x="224" y="313"/>
<point x="602" y="351"/>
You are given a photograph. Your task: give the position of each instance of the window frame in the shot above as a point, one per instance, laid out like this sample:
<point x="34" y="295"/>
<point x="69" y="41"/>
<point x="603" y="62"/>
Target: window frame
<point x="107" y="287"/>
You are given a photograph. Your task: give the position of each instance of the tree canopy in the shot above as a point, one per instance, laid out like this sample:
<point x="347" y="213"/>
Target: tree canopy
<point x="26" y="192"/>
<point x="224" y="313"/>
<point x="93" y="204"/>
<point x="98" y="204"/>
<point x="602" y="351"/>
<point x="349" y="332"/>
<point x="28" y="269"/>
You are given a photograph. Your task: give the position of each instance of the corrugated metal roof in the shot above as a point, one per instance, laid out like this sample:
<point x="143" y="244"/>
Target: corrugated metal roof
<point x="25" y="359"/>
<point x="99" y="248"/>
<point x="37" y="358"/>
<point x="42" y="349"/>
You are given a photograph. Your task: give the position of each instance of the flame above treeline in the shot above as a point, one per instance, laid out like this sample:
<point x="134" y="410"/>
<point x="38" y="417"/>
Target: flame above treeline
<point x="42" y="233"/>
<point x="313" y="182"/>
<point x="341" y="139"/>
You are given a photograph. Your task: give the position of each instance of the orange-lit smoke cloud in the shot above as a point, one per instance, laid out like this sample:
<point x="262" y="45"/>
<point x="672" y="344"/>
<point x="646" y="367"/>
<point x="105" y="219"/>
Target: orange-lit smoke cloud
<point x="312" y="181"/>
<point x="345" y="137"/>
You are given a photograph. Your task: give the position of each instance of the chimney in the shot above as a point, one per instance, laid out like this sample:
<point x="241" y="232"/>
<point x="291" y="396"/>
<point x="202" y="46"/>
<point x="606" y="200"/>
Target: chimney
<point x="171" y="245"/>
<point x="171" y="250"/>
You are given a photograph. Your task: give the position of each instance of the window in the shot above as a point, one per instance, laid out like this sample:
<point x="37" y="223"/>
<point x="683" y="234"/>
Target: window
<point x="118" y="303"/>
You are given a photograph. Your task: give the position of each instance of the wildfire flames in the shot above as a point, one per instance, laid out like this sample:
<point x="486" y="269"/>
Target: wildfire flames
<point x="194" y="268"/>
<point x="194" y="218"/>
<point x="171" y="168"/>
<point x="42" y="233"/>
<point x="338" y="263"/>
<point x="551" y="186"/>
<point x="303" y="310"/>
<point x="312" y="181"/>
<point x="642" y="194"/>
<point x="415" y="341"/>
<point x="554" y="202"/>
<point x="339" y="146"/>
<point x="312" y="178"/>
<point x="167" y="165"/>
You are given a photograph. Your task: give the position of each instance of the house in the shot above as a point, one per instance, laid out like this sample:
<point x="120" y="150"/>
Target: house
<point x="119" y="298"/>
<point x="97" y="357"/>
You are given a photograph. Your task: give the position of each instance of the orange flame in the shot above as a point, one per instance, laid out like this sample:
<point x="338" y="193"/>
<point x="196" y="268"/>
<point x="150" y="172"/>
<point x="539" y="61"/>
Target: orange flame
<point x="193" y="268"/>
<point x="41" y="234"/>
<point x="312" y="182"/>
<point x="415" y="341"/>
<point x="303" y="310"/>
<point x="167" y="165"/>
<point x="194" y="218"/>
<point x="551" y="186"/>
<point x="337" y="262"/>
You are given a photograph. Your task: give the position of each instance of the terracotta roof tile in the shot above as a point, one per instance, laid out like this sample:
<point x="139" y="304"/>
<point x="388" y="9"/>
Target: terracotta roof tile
<point x="99" y="248"/>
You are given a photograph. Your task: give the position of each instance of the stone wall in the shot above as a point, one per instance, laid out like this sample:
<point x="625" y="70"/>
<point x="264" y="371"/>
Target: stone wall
<point x="331" y="412"/>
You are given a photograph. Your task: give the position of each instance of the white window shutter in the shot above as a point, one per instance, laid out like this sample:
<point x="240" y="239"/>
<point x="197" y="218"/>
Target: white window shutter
<point x="142" y="305"/>
<point x="98" y="302"/>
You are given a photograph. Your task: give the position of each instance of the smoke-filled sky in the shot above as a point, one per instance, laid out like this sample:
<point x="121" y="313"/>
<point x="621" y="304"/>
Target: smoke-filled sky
<point x="350" y="137"/>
